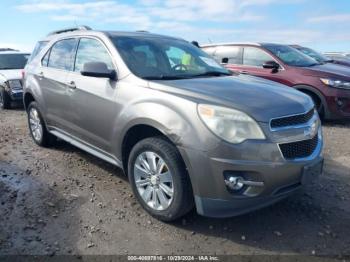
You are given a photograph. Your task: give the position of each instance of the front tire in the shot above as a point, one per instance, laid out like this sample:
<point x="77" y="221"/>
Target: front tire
<point x="37" y="127"/>
<point x="159" y="179"/>
<point x="5" y="99"/>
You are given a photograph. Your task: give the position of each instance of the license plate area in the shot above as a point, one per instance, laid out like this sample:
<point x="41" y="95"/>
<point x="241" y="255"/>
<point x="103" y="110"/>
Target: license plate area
<point x="311" y="172"/>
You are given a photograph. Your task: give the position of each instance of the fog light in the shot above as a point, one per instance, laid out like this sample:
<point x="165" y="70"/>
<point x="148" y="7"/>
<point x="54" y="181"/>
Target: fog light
<point x="237" y="183"/>
<point x="234" y="183"/>
<point x="340" y="103"/>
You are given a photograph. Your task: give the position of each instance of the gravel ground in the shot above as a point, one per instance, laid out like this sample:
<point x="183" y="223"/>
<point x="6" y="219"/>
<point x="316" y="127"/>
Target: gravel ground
<point x="64" y="201"/>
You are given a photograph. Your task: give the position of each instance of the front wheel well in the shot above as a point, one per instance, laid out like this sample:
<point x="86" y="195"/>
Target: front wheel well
<point x="133" y="136"/>
<point x="28" y="98"/>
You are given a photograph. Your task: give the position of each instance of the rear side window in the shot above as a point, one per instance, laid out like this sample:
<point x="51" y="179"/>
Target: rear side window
<point x="91" y="50"/>
<point x="253" y="56"/>
<point x="38" y="47"/>
<point x="229" y="54"/>
<point x="62" y="54"/>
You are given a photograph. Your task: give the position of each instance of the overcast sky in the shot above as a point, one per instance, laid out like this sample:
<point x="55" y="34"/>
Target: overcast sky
<point x="320" y="24"/>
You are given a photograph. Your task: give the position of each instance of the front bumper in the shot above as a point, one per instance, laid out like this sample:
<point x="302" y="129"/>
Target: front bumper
<point x="255" y="161"/>
<point x="338" y="104"/>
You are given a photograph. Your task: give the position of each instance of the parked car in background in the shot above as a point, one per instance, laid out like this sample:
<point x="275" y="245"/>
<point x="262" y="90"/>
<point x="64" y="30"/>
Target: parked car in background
<point x="342" y="58"/>
<point x="11" y="66"/>
<point x="184" y="130"/>
<point x="320" y="57"/>
<point x="327" y="84"/>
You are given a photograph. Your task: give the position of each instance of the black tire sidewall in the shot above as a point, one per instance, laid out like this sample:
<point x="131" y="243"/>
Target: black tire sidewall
<point x="169" y="154"/>
<point x="6" y="99"/>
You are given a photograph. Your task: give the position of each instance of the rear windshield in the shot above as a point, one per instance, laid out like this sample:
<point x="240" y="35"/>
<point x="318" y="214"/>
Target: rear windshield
<point x="38" y="47"/>
<point x="291" y="56"/>
<point x="13" y="61"/>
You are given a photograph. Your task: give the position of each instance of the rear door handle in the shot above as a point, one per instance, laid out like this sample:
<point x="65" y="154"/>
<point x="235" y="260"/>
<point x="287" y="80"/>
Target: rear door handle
<point x="71" y="85"/>
<point x="243" y="72"/>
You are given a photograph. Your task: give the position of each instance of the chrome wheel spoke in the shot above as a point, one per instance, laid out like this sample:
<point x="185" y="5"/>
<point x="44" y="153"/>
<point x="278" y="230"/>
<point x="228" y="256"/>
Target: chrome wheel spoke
<point x="151" y="160"/>
<point x="142" y="183"/>
<point x="143" y="162"/>
<point x="165" y="177"/>
<point x="146" y="195"/>
<point x="140" y="172"/>
<point x="164" y="202"/>
<point x="160" y="166"/>
<point x="167" y="190"/>
<point x="154" y="198"/>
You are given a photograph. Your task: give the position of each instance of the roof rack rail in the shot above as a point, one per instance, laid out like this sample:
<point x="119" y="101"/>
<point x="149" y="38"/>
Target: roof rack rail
<point x="83" y="27"/>
<point x="142" y="31"/>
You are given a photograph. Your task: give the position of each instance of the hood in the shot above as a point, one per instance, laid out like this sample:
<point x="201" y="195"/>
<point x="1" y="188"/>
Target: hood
<point x="11" y="74"/>
<point x="261" y="99"/>
<point x="329" y="69"/>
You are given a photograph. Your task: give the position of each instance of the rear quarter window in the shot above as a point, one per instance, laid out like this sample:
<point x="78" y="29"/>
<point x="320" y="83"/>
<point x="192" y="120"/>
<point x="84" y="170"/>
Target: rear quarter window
<point x="38" y="47"/>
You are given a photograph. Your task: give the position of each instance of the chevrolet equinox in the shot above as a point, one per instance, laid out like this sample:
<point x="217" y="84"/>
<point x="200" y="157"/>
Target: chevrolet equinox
<point x="184" y="129"/>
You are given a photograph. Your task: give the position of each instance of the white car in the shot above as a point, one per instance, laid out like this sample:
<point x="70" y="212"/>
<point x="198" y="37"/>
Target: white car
<point x="12" y="63"/>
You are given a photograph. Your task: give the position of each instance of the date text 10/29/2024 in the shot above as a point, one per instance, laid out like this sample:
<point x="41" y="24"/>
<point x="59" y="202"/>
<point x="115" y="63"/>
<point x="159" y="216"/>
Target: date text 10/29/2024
<point x="173" y="258"/>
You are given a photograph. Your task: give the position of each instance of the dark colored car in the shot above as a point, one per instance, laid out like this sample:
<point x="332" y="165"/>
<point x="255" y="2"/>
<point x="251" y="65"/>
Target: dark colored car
<point x="327" y="84"/>
<point x="341" y="57"/>
<point x="320" y="57"/>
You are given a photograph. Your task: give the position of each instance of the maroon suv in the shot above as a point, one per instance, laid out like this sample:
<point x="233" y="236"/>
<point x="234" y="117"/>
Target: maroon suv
<point x="327" y="84"/>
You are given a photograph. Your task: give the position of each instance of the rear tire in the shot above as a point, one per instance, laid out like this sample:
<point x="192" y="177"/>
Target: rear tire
<point x="5" y="99"/>
<point x="159" y="179"/>
<point x="37" y="127"/>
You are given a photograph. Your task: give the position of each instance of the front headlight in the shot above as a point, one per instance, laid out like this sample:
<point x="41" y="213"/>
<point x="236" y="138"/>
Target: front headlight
<point x="335" y="83"/>
<point x="229" y="124"/>
<point x="15" y="84"/>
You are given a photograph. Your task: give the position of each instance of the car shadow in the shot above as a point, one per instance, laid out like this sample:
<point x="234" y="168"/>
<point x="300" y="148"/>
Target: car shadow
<point x="63" y="146"/>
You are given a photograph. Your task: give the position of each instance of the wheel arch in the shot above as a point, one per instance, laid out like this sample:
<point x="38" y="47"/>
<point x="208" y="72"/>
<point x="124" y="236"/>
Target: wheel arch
<point x="27" y="99"/>
<point x="309" y="90"/>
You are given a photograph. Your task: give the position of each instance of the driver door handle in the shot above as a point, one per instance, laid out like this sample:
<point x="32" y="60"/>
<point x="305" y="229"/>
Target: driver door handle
<point x="244" y="72"/>
<point x="71" y="85"/>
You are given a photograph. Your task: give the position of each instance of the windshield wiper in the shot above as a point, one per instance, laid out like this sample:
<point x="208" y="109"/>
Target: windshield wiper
<point x="213" y="73"/>
<point x="162" y="77"/>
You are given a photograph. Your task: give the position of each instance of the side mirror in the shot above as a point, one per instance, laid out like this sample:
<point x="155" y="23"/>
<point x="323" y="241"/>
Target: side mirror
<point x="271" y="65"/>
<point x="224" y="60"/>
<point x="98" y="69"/>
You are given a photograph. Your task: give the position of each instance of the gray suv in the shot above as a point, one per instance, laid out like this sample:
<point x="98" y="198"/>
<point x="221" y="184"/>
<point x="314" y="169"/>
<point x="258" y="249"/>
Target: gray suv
<point x="185" y="131"/>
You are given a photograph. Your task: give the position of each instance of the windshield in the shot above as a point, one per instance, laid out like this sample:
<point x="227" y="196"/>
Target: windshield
<point x="291" y="56"/>
<point x="315" y="55"/>
<point x="13" y="61"/>
<point x="164" y="58"/>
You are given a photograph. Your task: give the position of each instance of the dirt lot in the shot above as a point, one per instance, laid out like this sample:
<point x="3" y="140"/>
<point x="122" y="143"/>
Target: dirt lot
<point x="64" y="201"/>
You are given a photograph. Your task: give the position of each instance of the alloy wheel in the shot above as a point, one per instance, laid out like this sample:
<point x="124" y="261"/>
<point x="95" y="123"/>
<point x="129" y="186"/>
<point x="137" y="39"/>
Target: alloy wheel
<point x="36" y="127"/>
<point x="153" y="180"/>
